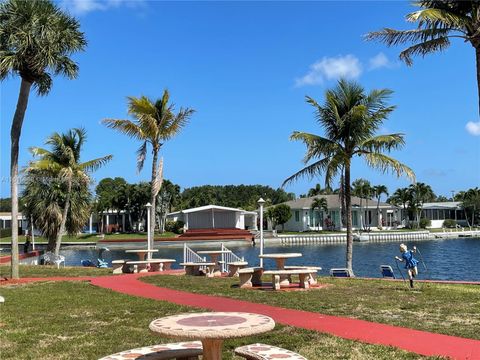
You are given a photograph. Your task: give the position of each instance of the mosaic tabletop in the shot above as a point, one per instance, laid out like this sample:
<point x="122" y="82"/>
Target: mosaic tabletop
<point x="212" y="325"/>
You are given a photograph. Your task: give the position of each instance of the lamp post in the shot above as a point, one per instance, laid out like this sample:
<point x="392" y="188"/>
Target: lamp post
<point x="32" y="235"/>
<point x="261" y="202"/>
<point x="149" y="235"/>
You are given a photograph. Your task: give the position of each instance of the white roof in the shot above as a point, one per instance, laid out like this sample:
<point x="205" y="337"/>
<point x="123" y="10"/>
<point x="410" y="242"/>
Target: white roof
<point x="442" y="205"/>
<point x="211" y="207"/>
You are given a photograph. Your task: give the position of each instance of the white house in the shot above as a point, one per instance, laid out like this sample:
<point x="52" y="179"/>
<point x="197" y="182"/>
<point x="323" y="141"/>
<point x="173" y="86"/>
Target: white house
<point x="438" y="212"/>
<point x="304" y="218"/>
<point x="215" y="217"/>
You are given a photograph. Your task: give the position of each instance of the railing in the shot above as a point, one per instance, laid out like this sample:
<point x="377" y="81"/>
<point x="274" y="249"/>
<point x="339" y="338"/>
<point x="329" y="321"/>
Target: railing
<point x="228" y="257"/>
<point x="191" y="256"/>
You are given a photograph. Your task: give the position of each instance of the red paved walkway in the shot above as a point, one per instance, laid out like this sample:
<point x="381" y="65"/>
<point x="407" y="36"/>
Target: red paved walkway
<point x="420" y="342"/>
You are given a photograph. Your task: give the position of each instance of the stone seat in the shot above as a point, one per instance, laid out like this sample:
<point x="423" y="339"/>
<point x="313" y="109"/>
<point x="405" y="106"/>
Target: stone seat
<point x="181" y="351"/>
<point x="303" y="274"/>
<point x="312" y="279"/>
<point x="234" y="266"/>
<point x="250" y="276"/>
<point x="266" y="352"/>
<point x="118" y="266"/>
<point x="192" y="268"/>
<point x="151" y="265"/>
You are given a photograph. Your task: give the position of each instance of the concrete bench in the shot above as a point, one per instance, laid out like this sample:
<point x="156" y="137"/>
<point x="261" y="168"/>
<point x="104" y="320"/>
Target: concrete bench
<point x="250" y="276"/>
<point x="192" y="268"/>
<point x="150" y="265"/>
<point x="312" y="279"/>
<point x="303" y="275"/>
<point x="234" y="266"/>
<point x="266" y="352"/>
<point x="181" y="351"/>
<point x="118" y="266"/>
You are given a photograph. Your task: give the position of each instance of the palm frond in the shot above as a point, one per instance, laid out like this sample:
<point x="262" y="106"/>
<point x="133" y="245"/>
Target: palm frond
<point x="385" y="163"/>
<point x="141" y="106"/>
<point x="382" y="143"/>
<point x="127" y="127"/>
<point x="141" y="156"/>
<point x="38" y="151"/>
<point x="309" y="171"/>
<point x="439" y="16"/>
<point x="95" y="164"/>
<point x="424" y="48"/>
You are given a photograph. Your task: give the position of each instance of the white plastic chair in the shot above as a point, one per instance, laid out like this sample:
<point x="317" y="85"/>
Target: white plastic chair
<point x="51" y="258"/>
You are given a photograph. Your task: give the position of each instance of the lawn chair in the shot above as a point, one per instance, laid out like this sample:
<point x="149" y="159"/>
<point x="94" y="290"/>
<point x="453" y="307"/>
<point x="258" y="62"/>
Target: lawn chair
<point x="341" y="272"/>
<point x="51" y="258"/>
<point x="387" y="271"/>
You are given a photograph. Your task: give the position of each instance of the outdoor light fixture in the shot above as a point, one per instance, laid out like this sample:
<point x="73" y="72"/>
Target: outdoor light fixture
<point x="149" y="235"/>
<point x="261" y="202"/>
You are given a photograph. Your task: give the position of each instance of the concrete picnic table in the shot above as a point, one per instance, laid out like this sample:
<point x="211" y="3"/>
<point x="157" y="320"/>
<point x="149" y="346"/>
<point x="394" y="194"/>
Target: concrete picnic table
<point x="212" y="328"/>
<point x="280" y="259"/>
<point x="214" y="254"/>
<point x="141" y="253"/>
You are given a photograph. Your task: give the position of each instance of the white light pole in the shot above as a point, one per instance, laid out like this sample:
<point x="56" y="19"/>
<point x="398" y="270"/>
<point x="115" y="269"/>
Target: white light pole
<point x="33" y="235"/>
<point x="261" y="202"/>
<point x="149" y="236"/>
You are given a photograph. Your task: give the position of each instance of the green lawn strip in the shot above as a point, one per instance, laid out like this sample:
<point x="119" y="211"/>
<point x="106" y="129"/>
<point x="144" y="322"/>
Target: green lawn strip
<point x="439" y="308"/>
<point x="70" y="320"/>
<point x="49" y="271"/>
<point x="91" y="237"/>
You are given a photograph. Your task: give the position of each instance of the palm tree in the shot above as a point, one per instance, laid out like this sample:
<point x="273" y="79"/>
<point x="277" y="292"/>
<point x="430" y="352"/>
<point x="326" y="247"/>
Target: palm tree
<point x="401" y="197"/>
<point x="319" y="204"/>
<point x="378" y="191"/>
<point x="361" y="189"/>
<point x="437" y="23"/>
<point x="36" y="40"/>
<point x="63" y="162"/>
<point x="419" y="194"/>
<point x="472" y="200"/>
<point x="155" y="122"/>
<point x="318" y="190"/>
<point x="350" y="118"/>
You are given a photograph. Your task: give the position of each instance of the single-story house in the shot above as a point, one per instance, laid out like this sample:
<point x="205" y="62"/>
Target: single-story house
<point x="438" y="212"/>
<point x="215" y="217"/>
<point x="304" y="218"/>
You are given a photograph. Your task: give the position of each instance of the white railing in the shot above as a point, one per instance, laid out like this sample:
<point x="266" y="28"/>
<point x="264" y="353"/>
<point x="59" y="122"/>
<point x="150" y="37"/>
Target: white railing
<point x="191" y="256"/>
<point x="227" y="257"/>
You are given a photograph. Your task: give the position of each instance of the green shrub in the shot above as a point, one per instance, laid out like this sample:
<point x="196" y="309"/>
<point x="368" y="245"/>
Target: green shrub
<point x="424" y="223"/>
<point x="449" y="223"/>
<point x="5" y="233"/>
<point x="174" y="226"/>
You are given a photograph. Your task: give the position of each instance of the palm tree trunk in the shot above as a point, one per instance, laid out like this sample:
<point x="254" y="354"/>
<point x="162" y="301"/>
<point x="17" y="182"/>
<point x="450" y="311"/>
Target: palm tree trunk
<point x="348" y="203"/>
<point x="64" y="217"/>
<point x="15" y="133"/>
<point x="477" y="57"/>
<point x="153" y="196"/>
<point x="379" y="222"/>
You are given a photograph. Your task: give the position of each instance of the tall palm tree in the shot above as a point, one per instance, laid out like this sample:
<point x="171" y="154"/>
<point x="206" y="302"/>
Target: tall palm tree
<point x="63" y="162"/>
<point x="155" y="122"/>
<point x="437" y="23"/>
<point x="378" y="191"/>
<point x="36" y="40"/>
<point x="350" y="118"/>
<point x="319" y="204"/>
<point x="419" y="194"/>
<point x="402" y="197"/>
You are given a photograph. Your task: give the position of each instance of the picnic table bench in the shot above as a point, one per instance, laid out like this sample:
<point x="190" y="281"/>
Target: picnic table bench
<point x="193" y="268"/>
<point x="266" y="352"/>
<point x="190" y="350"/>
<point x="250" y="276"/>
<point x="150" y="265"/>
<point x="234" y="266"/>
<point x="303" y="275"/>
<point x="312" y="279"/>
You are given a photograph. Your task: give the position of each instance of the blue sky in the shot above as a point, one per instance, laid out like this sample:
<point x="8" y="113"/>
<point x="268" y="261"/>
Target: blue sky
<point x="245" y="67"/>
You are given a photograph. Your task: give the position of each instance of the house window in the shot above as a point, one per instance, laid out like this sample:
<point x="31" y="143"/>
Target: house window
<point x="297" y="216"/>
<point x="354" y="218"/>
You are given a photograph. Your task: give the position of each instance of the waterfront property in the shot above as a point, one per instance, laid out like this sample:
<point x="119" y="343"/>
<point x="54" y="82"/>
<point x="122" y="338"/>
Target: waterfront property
<point x="215" y="217"/>
<point x="304" y="218"/>
<point x="438" y="212"/>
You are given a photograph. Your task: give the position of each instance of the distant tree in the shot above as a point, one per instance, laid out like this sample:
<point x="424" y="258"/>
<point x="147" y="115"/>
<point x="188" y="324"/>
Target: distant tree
<point x="437" y="23"/>
<point x="6" y="204"/>
<point x="442" y="198"/>
<point x="112" y="195"/>
<point x="270" y="215"/>
<point x="378" y="191"/>
<point x="36" y="42"/>
<point x="419" y="193"/>
<point x="362" y="189"/>
<point x="401" y="197"/>
<point x="167" y="198"/>
<point x="350" y="117"/>
<point x="62" y="163"/>
<point x="471" y="201"/>
<point x="155" y="122"/>
<point x="283" y="213"/>
<point x="319" y="204"/>
<point x="318" y="190"/>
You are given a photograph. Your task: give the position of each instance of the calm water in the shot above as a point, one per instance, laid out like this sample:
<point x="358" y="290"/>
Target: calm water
<point x="452" y="259"/>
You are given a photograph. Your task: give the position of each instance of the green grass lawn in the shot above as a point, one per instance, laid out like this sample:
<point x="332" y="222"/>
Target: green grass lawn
<point x="48" y="271"/>
<point x="91" y="237"/>
<point x="439" y="308"/>
<point x="75" y="320"/>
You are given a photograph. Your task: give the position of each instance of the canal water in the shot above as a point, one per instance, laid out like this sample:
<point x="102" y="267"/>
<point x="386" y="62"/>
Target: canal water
<point x="449" y="259"/>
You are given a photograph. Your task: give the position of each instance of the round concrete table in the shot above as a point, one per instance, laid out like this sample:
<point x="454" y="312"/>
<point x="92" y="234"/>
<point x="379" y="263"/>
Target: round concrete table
<point x="141" y="253"/>
<point x="212" y="328"/>
<point x="214" y="254"/>
<point x="280" y="260"/>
